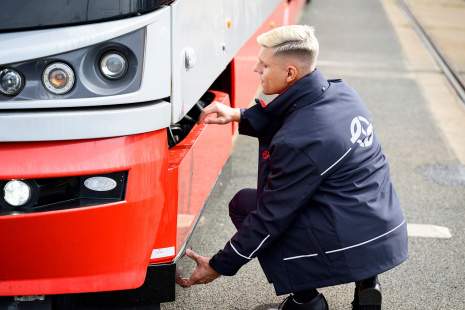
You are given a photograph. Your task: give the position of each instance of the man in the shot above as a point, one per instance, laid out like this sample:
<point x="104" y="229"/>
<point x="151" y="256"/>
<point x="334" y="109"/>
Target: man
<point x="325" y="211"/>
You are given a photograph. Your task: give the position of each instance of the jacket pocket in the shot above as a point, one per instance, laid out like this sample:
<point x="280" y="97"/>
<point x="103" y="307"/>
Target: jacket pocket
<point x="310" y="264"/>
<point x="316" y="244"/>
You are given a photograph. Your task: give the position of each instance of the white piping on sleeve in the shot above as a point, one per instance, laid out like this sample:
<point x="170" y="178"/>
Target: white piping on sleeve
<point x="238" y="252"/>
<point x="250" y="256"/>
<point x="337" y="161"/>
<point x="259" y="246"/>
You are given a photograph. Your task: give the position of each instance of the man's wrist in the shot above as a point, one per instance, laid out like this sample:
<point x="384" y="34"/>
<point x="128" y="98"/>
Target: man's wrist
<point x="237" y="115"/>
<point x="213" y="274"/>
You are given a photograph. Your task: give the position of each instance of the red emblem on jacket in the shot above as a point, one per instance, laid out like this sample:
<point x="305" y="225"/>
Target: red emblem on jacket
<point x="266" y="154"/>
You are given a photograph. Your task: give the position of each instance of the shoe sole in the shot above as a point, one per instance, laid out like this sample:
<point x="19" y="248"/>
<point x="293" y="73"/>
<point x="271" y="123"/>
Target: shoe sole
<point x="370" y="297"/>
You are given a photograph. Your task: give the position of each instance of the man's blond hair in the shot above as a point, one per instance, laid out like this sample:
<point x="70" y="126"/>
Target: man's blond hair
<point x="295" y="40"/>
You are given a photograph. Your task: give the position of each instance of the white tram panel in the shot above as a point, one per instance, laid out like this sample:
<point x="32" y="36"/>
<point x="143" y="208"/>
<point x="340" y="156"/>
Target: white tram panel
<point x="200" y="34"/>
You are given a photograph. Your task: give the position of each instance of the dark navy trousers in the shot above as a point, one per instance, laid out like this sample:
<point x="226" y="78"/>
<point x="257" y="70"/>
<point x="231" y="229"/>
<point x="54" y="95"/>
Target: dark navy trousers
<point x="244" y="202"/>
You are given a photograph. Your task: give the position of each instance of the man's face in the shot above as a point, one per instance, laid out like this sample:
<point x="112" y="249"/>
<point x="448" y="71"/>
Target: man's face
<point x="272" y="72"/>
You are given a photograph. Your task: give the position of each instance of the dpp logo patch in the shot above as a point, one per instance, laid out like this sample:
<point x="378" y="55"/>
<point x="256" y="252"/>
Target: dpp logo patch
<point x="266" y="155"/>
<point x="361" y="131"/>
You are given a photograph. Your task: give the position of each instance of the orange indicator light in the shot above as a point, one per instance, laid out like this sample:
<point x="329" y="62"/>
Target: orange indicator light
<point x="58" y="78"/>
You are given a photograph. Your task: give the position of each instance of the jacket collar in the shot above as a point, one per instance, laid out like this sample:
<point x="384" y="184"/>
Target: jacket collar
<point x="304" y="91"/>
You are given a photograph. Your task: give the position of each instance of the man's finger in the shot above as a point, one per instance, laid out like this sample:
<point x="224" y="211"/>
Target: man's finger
<point x="183" y="283"/>
<point x="201" y="117"/>
<point x="211" y="108"/>
<point x="192" y="255"/>
<point x="193" y="280"/>
<point x="180" y="280"/>
<point x="216" y="120"/>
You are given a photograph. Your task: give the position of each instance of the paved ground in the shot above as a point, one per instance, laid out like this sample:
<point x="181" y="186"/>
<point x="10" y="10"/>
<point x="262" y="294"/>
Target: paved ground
<point x="363" y="44"/>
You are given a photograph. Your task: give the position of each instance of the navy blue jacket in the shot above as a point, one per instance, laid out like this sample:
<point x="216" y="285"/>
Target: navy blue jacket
<point x="327" y="211"/>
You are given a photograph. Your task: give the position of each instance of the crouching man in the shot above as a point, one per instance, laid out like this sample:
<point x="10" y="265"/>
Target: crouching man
<point x="325" y="211"/>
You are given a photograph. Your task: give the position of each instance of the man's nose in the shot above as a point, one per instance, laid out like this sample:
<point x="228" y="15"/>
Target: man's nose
<point x="256" y="68"/>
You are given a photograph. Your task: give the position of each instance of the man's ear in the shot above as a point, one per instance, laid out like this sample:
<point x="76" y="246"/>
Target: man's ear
<point x="291" y="74"/>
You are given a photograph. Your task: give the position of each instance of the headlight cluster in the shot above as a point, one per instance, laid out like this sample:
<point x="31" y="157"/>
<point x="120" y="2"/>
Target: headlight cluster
<point x="19" y="196"/>
<point x="109" y="68"/>
<point x="59" y="77"/>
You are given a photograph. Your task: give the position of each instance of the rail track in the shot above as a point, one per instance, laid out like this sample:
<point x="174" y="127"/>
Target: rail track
<point x="438" y="54"/>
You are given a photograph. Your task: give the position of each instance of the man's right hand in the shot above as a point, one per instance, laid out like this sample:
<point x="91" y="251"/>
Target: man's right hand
<point x="224" y="114"/>
<point x="202" y="274"/>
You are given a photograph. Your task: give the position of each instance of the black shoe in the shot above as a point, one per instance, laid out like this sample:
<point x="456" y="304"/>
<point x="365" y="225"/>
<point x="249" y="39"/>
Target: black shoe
<point x="367" y="295"/>
<point x="317" y="303"/>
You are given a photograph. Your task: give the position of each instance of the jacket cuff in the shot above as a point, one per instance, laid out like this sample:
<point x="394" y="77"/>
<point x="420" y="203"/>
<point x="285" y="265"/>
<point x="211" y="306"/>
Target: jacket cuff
<point x="254" y="121"/>
<point x="226" y="268"/>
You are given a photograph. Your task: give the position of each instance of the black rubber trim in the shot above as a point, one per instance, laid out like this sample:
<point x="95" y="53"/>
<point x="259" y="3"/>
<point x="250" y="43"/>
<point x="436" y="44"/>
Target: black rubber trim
<point x="159" y="286"/>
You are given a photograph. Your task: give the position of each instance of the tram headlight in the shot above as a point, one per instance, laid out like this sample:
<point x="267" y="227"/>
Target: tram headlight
<point x="113" y="65"/>
<point x="17" y="193"/>
<point x="58" y="78"/>
<point x="11" y="82"/>
<point x="100" y="184"/>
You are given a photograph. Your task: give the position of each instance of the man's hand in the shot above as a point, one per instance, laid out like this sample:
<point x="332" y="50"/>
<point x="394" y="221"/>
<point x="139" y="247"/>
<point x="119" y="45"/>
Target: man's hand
<point x="224" y="114"/>
<point x="203" y="273"/>
<point x="180" y="280"/>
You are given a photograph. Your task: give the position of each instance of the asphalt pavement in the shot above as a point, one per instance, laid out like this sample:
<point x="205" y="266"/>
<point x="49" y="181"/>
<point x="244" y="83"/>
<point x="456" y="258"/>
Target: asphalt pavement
<point x="359" y="44"/>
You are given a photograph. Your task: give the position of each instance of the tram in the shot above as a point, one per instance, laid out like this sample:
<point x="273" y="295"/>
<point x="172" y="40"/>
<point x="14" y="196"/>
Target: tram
<point x="103" y="169"/>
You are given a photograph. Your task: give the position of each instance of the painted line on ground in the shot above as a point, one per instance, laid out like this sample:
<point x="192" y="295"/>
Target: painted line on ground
<point x="428" y="231"/>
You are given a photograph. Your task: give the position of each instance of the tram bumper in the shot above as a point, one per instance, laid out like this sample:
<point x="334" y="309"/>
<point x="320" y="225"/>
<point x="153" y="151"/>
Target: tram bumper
<point x="104" y="247"/>
<point x="158" y="287"/>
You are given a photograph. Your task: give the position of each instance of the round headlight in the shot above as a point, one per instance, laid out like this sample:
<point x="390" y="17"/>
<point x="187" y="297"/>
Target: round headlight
<point x="113" y="65"/>
<point x="58" y="78"/>
<point x="11" y="82"/>
<point x="17" y="193"/>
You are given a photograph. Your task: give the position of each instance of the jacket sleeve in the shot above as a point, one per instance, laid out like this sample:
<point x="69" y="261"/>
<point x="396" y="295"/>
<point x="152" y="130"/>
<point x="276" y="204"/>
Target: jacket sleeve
<point x="292" y="181"/>
<point x="253" y="121"/>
